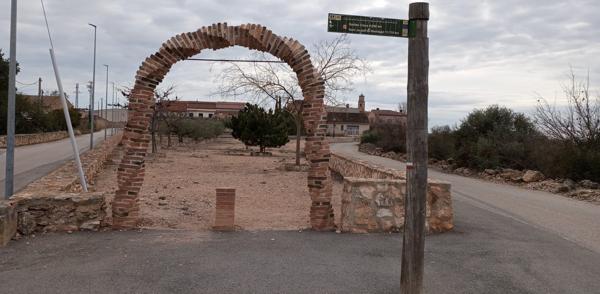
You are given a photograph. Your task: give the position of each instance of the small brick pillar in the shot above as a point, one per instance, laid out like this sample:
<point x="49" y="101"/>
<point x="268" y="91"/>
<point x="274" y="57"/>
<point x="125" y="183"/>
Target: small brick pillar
<point x="225" y="210"/>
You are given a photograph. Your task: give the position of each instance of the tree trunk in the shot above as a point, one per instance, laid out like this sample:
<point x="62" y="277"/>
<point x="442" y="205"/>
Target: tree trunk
<point x="298" y="137"/>
<point x="160" y="136"/>
<point x="169" y="138"/>
<point x="153" y="132"/>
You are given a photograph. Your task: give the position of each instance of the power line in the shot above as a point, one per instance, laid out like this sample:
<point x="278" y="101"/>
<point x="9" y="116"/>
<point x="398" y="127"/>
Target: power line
<point x="25" y="84"/>
<point x="235" y="60"/>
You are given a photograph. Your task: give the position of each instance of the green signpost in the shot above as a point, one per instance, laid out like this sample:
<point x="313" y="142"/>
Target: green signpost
<point x="366" y="25"/>
<point x="413" y="243"/>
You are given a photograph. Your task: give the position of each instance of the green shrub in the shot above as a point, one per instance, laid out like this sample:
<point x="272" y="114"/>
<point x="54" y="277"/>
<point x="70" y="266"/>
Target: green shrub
<point x="442" y="143"/>
<point x="388" y="136"/>
<point x="558" y="159"/>
<point x="497" y="137"/>
<point x="369" y="136"/>
<point x="256" y="127"/>
<point x="197" y="128"/>
<point x="493" y="137"/>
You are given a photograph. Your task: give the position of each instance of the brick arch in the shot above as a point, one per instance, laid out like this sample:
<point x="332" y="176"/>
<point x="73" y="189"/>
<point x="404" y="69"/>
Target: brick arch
<point x="136" y="137"/>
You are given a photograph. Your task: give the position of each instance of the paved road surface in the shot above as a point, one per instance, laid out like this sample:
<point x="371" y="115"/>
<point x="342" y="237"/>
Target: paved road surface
<point x="488" y="253"/>
<point x="571" y="219"/>
<point x="492" y="250"/>
<point x="35" y="161"/>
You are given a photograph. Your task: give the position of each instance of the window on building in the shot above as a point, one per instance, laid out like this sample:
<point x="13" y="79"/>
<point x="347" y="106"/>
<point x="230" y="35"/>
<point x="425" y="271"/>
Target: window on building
<point x="210" y="115"/>
<point x="342" y="127"/>
<point x="200" y="114"/>
<point x="191" y="114"/>
<point x="352" y="130"/>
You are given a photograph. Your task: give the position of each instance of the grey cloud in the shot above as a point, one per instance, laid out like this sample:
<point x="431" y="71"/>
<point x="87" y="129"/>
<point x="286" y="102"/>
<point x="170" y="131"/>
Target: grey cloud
<point x="536" y="40"/>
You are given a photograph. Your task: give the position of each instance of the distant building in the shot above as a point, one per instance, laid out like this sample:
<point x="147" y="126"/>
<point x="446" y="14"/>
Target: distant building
<point x="205" y="109"/>
<point x="347" y="121"/>
<point x="111" y="114"/>
<point x="387" y="116"/>
<point x="46" y="103"/>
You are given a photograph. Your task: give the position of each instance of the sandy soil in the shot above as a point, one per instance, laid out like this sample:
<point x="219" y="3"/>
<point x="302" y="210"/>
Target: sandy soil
<point x="180" y="183"/>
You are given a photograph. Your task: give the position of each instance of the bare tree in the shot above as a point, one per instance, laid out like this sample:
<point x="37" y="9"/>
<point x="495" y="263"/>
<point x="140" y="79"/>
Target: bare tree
<point x="264" y="82"/>
<point x="161" y="112"/>
<point x="579" y="121"/>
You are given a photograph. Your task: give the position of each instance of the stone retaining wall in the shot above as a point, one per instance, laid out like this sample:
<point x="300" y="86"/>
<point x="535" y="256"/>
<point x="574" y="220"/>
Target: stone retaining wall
<point x="373" y="198"/>
<point x="377" y="205"/>
<point x="351" y="167"/>
<point x="8" y="222"/>
<point x="30" y="139"/>
<point x="59" y="212"/>
<point x="55" y="202"/>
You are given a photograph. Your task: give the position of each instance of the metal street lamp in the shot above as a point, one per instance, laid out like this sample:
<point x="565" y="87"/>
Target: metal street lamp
<point x="112" y="110"/>
<point x="106" y="101"/>
<point x="93" y="92"/>
<point x="10" y="114"/>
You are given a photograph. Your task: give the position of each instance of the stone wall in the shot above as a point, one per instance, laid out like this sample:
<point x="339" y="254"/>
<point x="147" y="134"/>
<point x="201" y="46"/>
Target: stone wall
<point x="351" y="167"/>
<point x="8" y="222"/>
<point x="377" y="205"/>
<point x="59" y="212"/>
<point x="30" y="139"/>
<point x="373" y="198"/>
<point x="55" y="202"/>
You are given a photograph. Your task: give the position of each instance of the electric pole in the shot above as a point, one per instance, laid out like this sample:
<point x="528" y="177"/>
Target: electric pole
<point x="93" y="92"/>
<point x="40" y="99"/>
<point x="77" y="96"/>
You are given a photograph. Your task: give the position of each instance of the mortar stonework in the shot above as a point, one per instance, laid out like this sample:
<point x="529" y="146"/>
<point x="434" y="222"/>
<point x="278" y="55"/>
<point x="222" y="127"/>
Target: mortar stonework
<point x="59" y="211"/>
<point x="8" y="222"/>
<point x="252" y="36"/>
<point x="38" y="138"/>
<point x="377" y="205"/>
<point x="55" y="202"/>
<point x="373" y="198"/>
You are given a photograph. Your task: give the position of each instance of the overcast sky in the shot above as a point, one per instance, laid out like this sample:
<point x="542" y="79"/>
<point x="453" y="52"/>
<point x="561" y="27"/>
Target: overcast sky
<point x="481" y="52"/>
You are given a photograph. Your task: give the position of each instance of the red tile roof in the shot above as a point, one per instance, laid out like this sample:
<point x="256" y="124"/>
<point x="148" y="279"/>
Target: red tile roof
<point x="184" y="106"/>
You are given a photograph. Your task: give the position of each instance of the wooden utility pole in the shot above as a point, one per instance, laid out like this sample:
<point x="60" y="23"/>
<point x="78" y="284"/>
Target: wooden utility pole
<point x="413" y="249"/>
<point x="40" y="101"/>
<point x="77" y="96"/>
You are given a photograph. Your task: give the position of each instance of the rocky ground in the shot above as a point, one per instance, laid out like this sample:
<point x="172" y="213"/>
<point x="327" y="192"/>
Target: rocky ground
<point x="583" y="190"/>
<point x="180" y="182"/>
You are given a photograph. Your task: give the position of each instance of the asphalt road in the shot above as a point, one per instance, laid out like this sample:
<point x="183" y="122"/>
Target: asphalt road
<point x="486" y="253"/>
<point x="571" y="219"/>
<point x="491" y="250"/>
<point x="35" y="161"/>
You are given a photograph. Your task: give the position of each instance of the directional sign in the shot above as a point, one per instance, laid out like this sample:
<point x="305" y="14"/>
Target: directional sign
<point x="366" y="25"/>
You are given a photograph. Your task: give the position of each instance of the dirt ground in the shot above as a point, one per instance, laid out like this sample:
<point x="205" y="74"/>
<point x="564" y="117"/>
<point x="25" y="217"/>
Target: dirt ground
<point x="179" y="187"/>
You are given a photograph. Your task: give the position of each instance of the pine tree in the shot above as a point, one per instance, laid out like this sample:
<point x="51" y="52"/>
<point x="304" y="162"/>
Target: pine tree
<point x="256" y="127"/>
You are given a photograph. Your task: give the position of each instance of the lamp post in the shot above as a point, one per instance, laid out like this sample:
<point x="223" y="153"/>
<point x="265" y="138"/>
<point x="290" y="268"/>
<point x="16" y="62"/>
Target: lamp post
<point x="93" y="92"/>
<point x="112" y="111"/>
<point x="10" y="114"/>
<point x="106" y="101"/>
